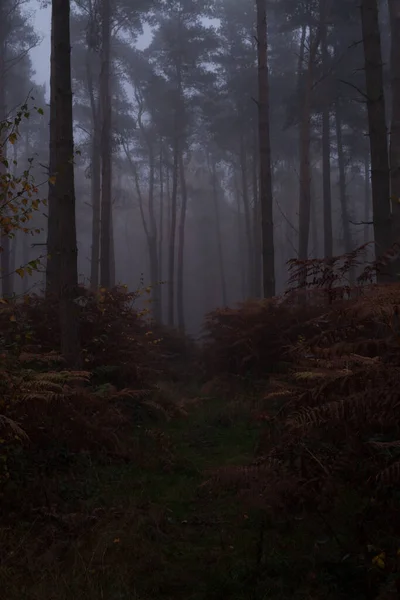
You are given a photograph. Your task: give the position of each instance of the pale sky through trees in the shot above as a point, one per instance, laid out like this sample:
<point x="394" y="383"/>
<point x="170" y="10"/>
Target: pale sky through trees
<point x="41" y="54"/>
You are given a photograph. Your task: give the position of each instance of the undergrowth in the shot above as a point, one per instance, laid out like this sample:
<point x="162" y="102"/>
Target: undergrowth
<point x="265" y="464"/>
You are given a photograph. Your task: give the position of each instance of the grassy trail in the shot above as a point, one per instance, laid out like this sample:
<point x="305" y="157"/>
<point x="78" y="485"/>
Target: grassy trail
<point x="157" y="535"/>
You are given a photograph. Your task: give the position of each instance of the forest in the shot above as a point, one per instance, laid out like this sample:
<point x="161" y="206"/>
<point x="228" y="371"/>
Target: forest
<point x="199" y="309"/>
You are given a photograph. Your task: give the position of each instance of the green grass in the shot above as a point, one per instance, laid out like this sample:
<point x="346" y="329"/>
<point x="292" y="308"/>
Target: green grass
<point x="150" y="531"/>
<point x="157" y="535"/>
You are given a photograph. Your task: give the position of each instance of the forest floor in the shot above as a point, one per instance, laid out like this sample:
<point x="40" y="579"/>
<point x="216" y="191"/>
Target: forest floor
<point x="264" y="465"/>
<point x="147" y="532"/>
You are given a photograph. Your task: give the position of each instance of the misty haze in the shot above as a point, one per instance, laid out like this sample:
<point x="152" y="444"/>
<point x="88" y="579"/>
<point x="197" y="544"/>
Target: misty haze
<point x="199" y="322"/>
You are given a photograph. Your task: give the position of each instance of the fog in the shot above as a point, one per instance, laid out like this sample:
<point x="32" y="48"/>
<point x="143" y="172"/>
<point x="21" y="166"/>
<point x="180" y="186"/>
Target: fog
<point x="202" y="204"/>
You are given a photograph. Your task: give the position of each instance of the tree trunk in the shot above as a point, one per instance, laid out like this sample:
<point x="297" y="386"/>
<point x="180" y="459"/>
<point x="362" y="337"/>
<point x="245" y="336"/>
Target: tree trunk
<point x="153" y="250"/>
<point x="367" y="199"/>
<point x="314" y="224"/>
<point x="161" y="233"/>
<point x="348" y="244"/>
<point x="394" y="11"/>
<point x="112" y="247"/>
<point x="218" y="235"/>
<point x="326" y="140"/>
<point x="380" y="173"/>
<point x="6" y="283"/>
<point x="342" y="182"/>
<point x="257" y="232"/>
<point x="172" y="235"/>
<point x="106" y="148"/>
<point x="62" y="276"/>
<point x="5" y="275"/>
<point x="25" y="237"/>
<point x="181" y="247"/>
<point x="247" y="217"/>
<point x="240" y="236"/>
<point x="266" y="197"/>
<point x="304" y="150"/>
<point x="95" y="182"/>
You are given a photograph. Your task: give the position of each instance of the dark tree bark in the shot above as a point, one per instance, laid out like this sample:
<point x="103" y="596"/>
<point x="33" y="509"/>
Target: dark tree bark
<point x="326" y="140"/>
<point x="240" y="235"/>
<point x="348" y="243"/>
<point x="95" y="183"/>
<point x="161" y="231"/>
<point x="257" y="232"/>
<point x="6" y="283"/>
<point x="181" y="248"/>
<point x="106" y="148"/>
<point x="266" y="197"/>
<point x="380" y="172"/>
<point x="247" y="214"/>
<point x="172" y="235"/>
<point x="394" y="12"/>
<point x="153" y="250"/>
<point x="62" y="271"/>
<point x="367" y="198"/>
<point x="218" y="234"/>
<point x="342" y="182"/>
<point x="304" y="149"/>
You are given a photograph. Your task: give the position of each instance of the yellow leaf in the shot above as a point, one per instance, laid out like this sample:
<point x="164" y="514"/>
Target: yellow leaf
<point x="12" y="318"/>
<point x="52" y="180"/>
<point x="20" y="271"/>
<point x="379" y="560"/>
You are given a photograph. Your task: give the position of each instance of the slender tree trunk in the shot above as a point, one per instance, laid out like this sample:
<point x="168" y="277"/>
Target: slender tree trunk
<point x="394" y="11"/>
<point x="314" y="224"/>
<point x="348" y="244"/>
<point x="95" y="182"/>
<point x="62" y="276"/>
<point x="326" y="140"/>
<point x="367" y="199"/>
<point x="305" y="141"/>
<point x="181" y="247"/>
<point x="6" y="283"/>
<point x="218" y="235"/>
<point x="106" y="149"/>
<point x="257" y="232"/>
<point x="25" y="237"/>
<point x="172" y="235"/>
<point x="247" y="217"/>
<point x="380" y="173"/>
<point x="161" y="233"/>
<point x="153" y="250"/>
<point x="25" y="260"/>
<point x="240" y="238"/>
<point x="112" y="247"/>
<point x="5" y="275"/>
<point x="96" y="208"/>
<point x="266" y="196"/>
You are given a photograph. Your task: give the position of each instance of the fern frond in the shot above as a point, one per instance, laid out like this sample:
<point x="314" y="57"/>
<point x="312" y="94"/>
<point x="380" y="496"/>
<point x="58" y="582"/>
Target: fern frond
<point x="41" y="385"/>
<point x="322" y="374"/>
<point x="13" y="427"/>
<point x="45" y="396"/>
<point x="245" y="475"/>
<point x="27" y="357"/>
<point x="378" y="445"/>
<point x="127" y="393"/>
<point x="390" y="475"/>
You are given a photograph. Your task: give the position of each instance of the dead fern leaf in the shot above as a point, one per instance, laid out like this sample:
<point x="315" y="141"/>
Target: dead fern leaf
<point x="41" y="385"/>
<point x="378" y="445"/>
<point x="390" y="475"/>
<point x="12" y="427"/>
